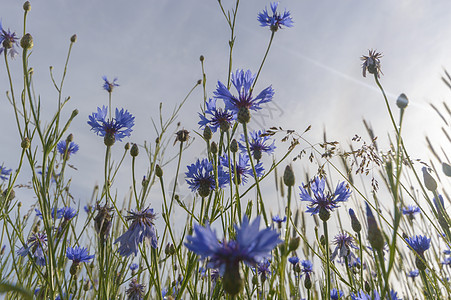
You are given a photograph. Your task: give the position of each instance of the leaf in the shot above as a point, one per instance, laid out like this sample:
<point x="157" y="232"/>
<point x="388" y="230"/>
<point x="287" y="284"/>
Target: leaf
<point x="9" y="287"/>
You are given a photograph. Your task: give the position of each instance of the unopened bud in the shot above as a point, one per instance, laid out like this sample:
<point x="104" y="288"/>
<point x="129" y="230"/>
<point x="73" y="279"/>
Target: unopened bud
<point x="307" y="281"/>
<point x="201" y="58"/>
<point x="158" y="171"/>
<point x="25" y="144"/>
<point x="214" y="148"/>
<point x="27" y="6"/>
<point x="169" y="250"/>
<point x="127" y="146"/>
<point x="134" y="151"/>
<point x="255" y="279"/>
<point x="207" y="133"/>
<point x="73" y="38"/>
<point x="402" y="101"/>
<point x="69" y="138"/>
<point x="355" y="224"/>
<point x="367" y="287"/>
<point x="26" y="42"/>
<point x="429" y="181"/>
<point x="234" y="146"/>
<point x="446" y="169"/>
<point x="74" y="113"/>
<point x="374" y="233"/>
<point x="294" y="244"/>
<point x="199" y="81"/>
<point x="288" y="176"/>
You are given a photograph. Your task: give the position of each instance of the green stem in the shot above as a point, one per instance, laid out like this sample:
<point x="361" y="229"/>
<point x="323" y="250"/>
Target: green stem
<point x="263" y="61"/>
<point x="328" y="282"/>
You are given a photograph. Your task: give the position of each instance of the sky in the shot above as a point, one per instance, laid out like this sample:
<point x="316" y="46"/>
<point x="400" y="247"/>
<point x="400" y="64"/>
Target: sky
<point x="153" y="48"/>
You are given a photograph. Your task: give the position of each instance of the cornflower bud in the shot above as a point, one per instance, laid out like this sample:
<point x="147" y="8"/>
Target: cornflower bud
<point x="134" y="151"/>
<point x="214" y="148"/>
<point x="234" y="146"/>
<point x="201" y="58"/>
<point x="402" y="101"/>
<point x="374" y="233"/>
<point x="27" y="6"/>
<point x="429" y="181"/>
<point x="26" y="42"/>
<point x="73" y="38"/>
<point x="294" y="244"/>
<point x="288" y="176"/>
<point x="127" y="146"/>
<point x="307" y="281"/>
<point x="158" y="171"/>
<point x="207" y="133"/>
<point x="355" y="224"/>
<point x="25" y="144"/>
<point x="446" y="169"/>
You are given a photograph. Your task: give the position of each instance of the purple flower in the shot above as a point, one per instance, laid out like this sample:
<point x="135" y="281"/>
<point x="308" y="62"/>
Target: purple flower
<point x="201" y="178"/>
<point x="276" y="20"/>
<point x="251" y="245"/>
<point x="115" y="129"/>
<point x="142" y="227"/>
<point x="78" y="255"/>
<point x="243" y="168"/>
<point x="109" y="86"/>
<point x="306" y="267"/>
<point x="134" y="267"/>
<point x="322" y="201"/>
<point x="216" y="117"/>
<point x="135" y="290"/>
<point x="413" y="273"/>
<point x="263" y="269"/>
<point x="279" y="220"/>
<point x="4" y="172"/>
<point x="8" y="40"/>
<point x="344" y="244"/>
<point x="62" y="146"/>
<point x="59" y="213"/>
<point x="336" y="294"/>
<point x="419" y="243"/>
<point x="293" y="260"/>
<point x="68" y="213"/>
<point x="364" y="296"/>
<point x="243" y="82"/>
<point x="411" y="211"/>
<point x="258" y="144"/>
<point x="36" y="246"/>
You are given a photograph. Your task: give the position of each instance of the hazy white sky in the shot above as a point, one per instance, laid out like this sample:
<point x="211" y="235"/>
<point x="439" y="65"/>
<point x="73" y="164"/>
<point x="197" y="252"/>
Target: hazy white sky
<point x="153" y="47"/>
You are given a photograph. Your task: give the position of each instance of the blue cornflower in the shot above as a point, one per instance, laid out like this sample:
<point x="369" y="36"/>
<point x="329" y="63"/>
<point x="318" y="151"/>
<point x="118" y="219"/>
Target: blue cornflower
<point x="411" y="211"/>
<point x="78" y="255"/>
<point x="133" y="267"/>
<point x="59" y="213"/>
<point x="446" y="261"/>
<point x="293" y="260"/>
<point x="201" y="178"/>
<point x="419" y="243"/>
<point x="72" y="149"/>
<point x="364" y="296"/>
<point x="4" y="172"/>
<point x="413" y="273"/>
<point x="279" y="220"/>
<point x="336" y="294"/>
<point x="251" y="246"/>
<point x="276" y="20"/>
<point x="243" y="83"/>
<point x="216" y="117"/>
<point x="321" y="202"/>
<point x="109" y="86"/>
<point x="68" y="213"/>
<point x="115" y="129"/>
<point x="306" y="267"/>
<point x="8" y="40"/>
<point x="135" y="290"/>
<point x="142" y="227"/>
<point x="436" y="203"/>
<point x="36" y="246"/>
<point x="263" y="269"/>
<point x="344" y="244"/>
<point x="243" y="168"/>
<point x="258" y="144"/>
<point x="394" y="295"/>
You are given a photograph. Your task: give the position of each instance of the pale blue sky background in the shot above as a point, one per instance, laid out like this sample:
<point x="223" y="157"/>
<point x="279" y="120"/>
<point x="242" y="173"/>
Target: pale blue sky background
<point x="153" y="48"/>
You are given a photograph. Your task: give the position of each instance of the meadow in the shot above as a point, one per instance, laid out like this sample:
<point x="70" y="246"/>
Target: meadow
<point x="363" y="223"/>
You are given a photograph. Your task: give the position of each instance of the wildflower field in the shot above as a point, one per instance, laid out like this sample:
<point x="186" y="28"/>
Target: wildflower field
<point x="257" y="213"/>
